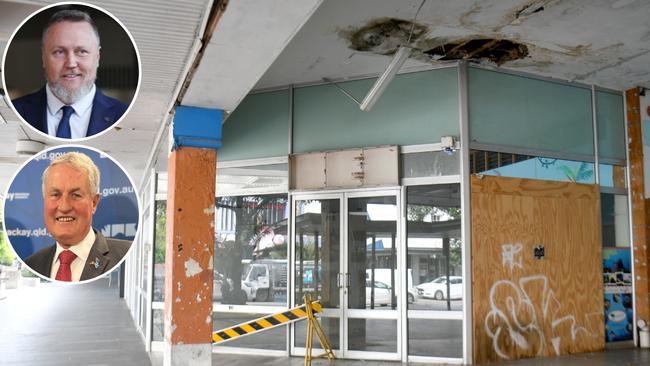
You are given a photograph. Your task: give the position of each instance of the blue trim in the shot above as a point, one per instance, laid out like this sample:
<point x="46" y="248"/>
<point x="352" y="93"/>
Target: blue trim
<point x="197" y="127"/>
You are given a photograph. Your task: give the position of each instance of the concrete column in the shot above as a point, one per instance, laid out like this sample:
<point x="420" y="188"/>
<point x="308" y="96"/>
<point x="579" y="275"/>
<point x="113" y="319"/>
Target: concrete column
<point x="189" y="261"/>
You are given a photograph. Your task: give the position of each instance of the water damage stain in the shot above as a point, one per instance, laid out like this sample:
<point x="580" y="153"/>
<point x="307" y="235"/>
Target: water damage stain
<point x="383" y="36"/>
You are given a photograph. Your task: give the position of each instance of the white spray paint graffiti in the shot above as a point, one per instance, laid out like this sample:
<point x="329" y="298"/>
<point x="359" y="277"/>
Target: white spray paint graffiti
<point x="510" y="257"/>
<point x="513" y="315"/>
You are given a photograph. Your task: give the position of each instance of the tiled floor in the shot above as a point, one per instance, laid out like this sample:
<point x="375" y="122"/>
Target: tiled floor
<point x="68" y="325"/>
<point x="618" y="357"/>
<point x="89" y="325"/>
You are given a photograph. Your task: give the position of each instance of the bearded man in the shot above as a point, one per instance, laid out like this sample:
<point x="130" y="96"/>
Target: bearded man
<point x="70" y="105"/>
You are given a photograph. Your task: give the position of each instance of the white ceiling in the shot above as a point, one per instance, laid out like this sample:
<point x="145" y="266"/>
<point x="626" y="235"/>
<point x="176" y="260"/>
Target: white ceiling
<point x="602" y="42"/>
<point x="271" y="43"/>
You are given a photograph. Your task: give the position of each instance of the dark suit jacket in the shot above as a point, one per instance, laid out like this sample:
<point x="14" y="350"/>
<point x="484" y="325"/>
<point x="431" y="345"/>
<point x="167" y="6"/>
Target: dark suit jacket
<point x="106" y="111"/>
<point x="108" y="252"/>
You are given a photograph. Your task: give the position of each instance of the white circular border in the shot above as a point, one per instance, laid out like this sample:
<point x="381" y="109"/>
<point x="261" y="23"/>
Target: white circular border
<point x="137" y="88"/>
<point x="80" y="148"/>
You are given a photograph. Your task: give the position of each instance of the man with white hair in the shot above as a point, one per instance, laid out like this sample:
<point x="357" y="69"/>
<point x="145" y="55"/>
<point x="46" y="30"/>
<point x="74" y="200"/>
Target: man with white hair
<point x="71" y="195"/>
<point x="70" y="105"/>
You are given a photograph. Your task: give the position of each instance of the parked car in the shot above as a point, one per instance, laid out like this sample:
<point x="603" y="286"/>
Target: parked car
<point x="437" y="289"/>
<point x="384" y="275"/>
<point x="382" y="294"/>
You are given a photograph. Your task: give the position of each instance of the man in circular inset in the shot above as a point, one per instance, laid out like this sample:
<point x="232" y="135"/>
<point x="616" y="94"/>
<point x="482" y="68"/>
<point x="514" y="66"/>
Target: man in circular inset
<point x="70" y="105"/>
<point x="71" y="195"/>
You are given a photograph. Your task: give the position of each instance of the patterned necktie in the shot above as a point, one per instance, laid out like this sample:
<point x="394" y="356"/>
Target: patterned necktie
<point x="65" y="273"/>
<point x="64" y="125"/>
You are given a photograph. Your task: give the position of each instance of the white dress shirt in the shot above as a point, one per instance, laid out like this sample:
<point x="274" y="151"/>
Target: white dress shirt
<point x="81" y="250"/>
<point x="79" y="120"/>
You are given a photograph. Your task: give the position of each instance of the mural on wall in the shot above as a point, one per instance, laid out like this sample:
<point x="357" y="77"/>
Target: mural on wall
<point x="517" y="324"/>
<point x="617" y="279"/>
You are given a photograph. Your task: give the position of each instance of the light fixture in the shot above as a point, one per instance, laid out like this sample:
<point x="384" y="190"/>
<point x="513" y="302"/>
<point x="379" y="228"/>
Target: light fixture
<point x="401" y="55"/>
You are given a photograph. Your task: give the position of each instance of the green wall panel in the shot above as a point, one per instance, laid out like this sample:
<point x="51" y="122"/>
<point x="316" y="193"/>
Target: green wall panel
<point x="416" y="108"/>
<point x="611" y="125"/>
<point x="528" y="113"/>
<point x="258" y="128"/>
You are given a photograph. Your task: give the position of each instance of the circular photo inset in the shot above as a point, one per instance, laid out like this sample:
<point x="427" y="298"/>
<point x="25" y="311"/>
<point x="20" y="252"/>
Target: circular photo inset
<point x="71" y="71"/>
<point x="71" y="213"/>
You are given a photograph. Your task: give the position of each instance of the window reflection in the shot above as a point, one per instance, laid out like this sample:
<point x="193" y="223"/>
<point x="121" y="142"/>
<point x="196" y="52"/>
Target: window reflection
<point x="434" y="261"/>
<point x="250" y="259"/>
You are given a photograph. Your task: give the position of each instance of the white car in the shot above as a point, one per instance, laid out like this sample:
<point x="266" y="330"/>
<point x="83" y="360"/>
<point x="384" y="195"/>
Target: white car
<point x="437" y="289"/>
<point x="382" y="294"/>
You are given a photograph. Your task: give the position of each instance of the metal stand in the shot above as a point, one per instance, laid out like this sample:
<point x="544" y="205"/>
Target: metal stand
<point x="314" y="325"/>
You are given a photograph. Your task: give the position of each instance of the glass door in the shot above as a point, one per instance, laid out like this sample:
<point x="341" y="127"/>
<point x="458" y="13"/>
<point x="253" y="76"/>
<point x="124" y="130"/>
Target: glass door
<point x="317" y="268"/>
<point x="371" y="317"/>
<point x="346" y="256"/>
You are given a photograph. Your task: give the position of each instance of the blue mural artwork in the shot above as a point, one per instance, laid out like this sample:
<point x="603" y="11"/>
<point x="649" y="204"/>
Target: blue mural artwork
<point x="617" y="278"/>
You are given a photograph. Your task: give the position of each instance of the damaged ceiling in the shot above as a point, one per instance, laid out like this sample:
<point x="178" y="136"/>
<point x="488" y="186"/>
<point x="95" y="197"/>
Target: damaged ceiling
<point x="600" y="42"/>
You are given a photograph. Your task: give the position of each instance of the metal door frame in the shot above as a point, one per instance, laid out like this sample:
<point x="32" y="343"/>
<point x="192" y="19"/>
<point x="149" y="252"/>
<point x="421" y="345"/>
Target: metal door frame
<point x="343" y="313"/>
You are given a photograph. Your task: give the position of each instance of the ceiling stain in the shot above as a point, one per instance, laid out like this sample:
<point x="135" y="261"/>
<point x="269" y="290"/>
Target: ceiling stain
<point x="576" y="51"/>
<point x="383" y="36"/>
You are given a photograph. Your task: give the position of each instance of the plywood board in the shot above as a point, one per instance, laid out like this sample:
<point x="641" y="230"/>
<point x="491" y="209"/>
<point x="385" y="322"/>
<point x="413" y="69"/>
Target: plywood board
<point x="527" y="307"/>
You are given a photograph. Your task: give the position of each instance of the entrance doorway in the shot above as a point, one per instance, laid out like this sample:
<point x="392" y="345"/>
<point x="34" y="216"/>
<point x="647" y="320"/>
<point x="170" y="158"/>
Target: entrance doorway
<point x="346" y="255"/>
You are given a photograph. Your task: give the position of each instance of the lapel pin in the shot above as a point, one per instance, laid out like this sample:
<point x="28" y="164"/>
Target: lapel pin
<point x="95" y="263"/>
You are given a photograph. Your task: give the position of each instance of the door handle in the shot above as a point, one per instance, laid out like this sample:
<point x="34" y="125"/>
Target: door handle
<point x="347" y="280"/>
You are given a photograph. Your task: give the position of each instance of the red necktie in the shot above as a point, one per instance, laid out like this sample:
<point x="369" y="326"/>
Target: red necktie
<point x="65" y="273"/>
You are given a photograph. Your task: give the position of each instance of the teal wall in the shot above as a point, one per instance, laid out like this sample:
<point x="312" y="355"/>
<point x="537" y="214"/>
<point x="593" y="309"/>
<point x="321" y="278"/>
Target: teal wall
<point x="611" y="125"/>
<point x="416" y="108"/>
<point x="419" y="108"/>
<point x="528" y="113"/>
<point x="258" y="128"/>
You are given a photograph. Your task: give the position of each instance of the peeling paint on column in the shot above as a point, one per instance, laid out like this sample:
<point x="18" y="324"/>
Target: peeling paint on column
<point x="209" y="210"/>
<point x="189" y="272"/>
<point x="192" y="268"/>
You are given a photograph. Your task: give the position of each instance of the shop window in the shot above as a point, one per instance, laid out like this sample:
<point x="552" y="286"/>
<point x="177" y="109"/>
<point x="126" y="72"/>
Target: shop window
<point x="434" y="276"/>
<point x="530" y="167"/>
<point x="250" y="259"/>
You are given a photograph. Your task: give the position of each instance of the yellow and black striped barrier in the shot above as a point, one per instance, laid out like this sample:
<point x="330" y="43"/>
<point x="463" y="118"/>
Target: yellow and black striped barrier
<point x="263" y="323"/>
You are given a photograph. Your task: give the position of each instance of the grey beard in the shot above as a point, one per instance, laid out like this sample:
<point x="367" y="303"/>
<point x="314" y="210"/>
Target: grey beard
<point x="70" y="96"/>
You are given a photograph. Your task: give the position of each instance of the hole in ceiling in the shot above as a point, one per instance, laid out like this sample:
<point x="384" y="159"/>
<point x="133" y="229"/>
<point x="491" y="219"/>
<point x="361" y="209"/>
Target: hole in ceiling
<point x="383" y="36"/>
<point x="498" y="51"/>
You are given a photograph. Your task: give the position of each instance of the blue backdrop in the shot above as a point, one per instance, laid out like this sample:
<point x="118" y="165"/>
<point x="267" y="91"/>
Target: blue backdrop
<point x="116" y="215"/>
